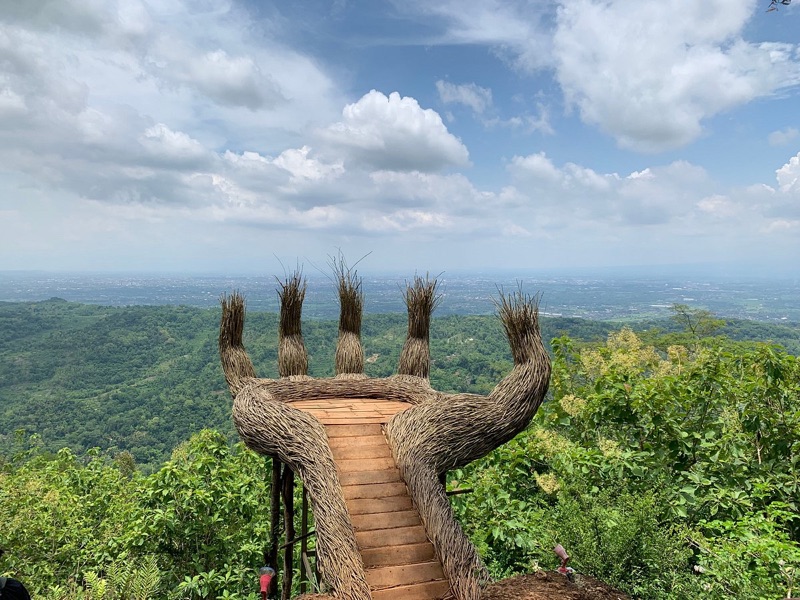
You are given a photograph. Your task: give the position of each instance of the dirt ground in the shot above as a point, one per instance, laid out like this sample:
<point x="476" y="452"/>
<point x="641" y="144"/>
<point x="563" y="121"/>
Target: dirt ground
<point x="539" y="586"/>
<point x="551" y="586"/>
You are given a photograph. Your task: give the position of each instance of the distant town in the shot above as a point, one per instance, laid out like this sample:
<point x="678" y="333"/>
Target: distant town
<point x="599" y="296"/>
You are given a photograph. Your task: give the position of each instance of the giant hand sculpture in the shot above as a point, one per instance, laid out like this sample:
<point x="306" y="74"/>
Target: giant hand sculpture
<point x="438" y="433"/>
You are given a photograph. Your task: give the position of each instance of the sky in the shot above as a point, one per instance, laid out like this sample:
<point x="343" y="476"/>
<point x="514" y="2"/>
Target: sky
<point x="238" y="137"/>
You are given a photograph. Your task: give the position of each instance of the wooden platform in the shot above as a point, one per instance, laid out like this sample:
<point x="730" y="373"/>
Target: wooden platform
<point x="399" y="559"/>
<point x="351" y="412"/>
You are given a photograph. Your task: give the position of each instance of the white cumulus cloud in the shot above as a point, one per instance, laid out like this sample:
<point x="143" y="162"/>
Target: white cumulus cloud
<point x="789" y="176"/>
<point x="653" y="196"/>
<point x="649" y="73"/>
<point x="395" y="133"/>
<point x="226" y="79"/>
<point x="717" y="205"/>
<point x="172" y="147"/>
<point x="302" y="167"/>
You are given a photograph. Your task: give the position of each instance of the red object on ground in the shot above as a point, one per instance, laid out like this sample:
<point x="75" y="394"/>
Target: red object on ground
<point x="265" y="581"/>
<point x="265" y="578"/>
<point x="562" y="554"/>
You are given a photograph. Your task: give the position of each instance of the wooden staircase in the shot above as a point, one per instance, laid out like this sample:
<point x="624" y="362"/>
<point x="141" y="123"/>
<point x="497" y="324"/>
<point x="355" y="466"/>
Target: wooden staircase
<point x="399" y="559"/>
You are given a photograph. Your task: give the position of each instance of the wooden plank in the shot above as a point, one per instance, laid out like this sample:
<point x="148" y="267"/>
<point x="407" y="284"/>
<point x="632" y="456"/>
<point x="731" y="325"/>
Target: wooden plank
<point x="403" y="518"/>
<point x="399" y="536"/>
<point x="363" y="506"/>
<point x="353" y="430"/>
<point x="344" y="420"/>
<point x="377" y="490"/>
<point x="355" y="450"/>
<point x="364" y="464"/>
<point x="366" y="440"/>
<point x="371" y="476"/>
<point x="398" y="555"/>
<point x="383" y="577"/>
<point x="430" y="590"/>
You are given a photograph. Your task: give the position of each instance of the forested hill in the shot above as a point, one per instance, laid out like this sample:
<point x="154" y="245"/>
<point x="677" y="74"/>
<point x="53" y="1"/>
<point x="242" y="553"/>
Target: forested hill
<point x="144" y="378"/>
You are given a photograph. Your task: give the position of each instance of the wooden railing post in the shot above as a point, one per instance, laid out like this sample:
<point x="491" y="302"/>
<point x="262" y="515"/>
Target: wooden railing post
<point x="271" y="556"/>
<point x="282" y="493"/>
<point x="288" y="524"/>
<point x="303" y="542"/>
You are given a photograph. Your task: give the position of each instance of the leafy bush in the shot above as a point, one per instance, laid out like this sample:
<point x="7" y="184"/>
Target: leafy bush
<point x="714" y="427"/>
<point x="194" y="529"/>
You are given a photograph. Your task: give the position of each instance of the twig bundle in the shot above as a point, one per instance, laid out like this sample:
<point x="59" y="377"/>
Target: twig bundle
<point x="421" y="299"/>
<point x="349" y="351"/>
<point x="236" y="364"/>
<point x="292" y="355"/>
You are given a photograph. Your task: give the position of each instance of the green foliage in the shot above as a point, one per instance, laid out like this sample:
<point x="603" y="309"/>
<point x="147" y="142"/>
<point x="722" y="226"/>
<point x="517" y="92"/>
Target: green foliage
<point x="698" y="322"/>
<point x="196" y="528"/>
<point x="752" y="557"/>
<point x="60" y="515"/>
<point x="670" y="473"/>
<point x="137" y="580"/>
<point x="204" y="513"/>
<point x="667" y="463"/>
<point x="621" y="539"/>
<point x="142" y="379"/>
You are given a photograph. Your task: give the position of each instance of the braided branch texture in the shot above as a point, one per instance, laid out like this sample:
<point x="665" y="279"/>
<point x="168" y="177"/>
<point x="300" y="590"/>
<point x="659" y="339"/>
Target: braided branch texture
<point x="434" y="437"/>
<point x="438" y="433"/>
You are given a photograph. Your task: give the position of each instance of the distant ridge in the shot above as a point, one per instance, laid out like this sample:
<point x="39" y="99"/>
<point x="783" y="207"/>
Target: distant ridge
<point x="607" y="295"/>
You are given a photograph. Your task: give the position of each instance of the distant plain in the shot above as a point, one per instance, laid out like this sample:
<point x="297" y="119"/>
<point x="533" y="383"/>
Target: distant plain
<point x="598" y="296"/>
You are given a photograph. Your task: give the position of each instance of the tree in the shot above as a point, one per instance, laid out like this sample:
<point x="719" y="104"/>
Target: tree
<point x="697" y="321"/>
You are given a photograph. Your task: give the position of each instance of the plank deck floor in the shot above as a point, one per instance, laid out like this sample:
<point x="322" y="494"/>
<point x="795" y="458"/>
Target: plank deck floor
<point x="399" y="559"/>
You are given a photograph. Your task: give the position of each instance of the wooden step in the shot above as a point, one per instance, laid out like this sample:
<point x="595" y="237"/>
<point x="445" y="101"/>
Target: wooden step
<point x="346" y="420"/>
<point x="368" y="522"/>
<point x="375" y="490"/>
<point x="366" y="440"/>
<point x="363" y="506"/>
<point x="398" y="536"/>
<point x="369" y="477"/>
<point x="364" y="464"/>
<point x="430" y="590"/>
<point x="398" y="555"/>
<point x="383" y="577"/>
<point x="335" y="431"/>
<point x="355" y="450"/>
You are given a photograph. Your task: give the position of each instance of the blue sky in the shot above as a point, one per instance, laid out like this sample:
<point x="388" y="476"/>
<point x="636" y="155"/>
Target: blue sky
<point x="223" y="136"/>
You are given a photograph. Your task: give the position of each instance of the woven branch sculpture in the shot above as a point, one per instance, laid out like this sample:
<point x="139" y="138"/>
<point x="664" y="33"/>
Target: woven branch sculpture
<point x="438" y="433"/>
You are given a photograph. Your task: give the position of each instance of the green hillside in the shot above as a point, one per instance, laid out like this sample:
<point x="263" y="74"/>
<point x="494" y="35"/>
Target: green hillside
<point x="145" y="378"/>
<point x="666" y="461"/>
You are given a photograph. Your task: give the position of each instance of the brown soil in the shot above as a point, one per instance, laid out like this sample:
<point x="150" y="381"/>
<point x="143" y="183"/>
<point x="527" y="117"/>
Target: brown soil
<point x="540" y="586"/>
<point x="551" y="586"/>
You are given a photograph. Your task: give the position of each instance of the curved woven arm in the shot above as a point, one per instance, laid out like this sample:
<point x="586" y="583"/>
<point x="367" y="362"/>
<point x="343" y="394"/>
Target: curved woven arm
<point x="273" y="428"/>
<point x="436" y="436"/>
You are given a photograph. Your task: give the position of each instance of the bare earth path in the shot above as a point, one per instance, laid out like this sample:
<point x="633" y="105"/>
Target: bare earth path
<point x="399" y="559"/>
